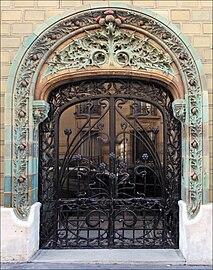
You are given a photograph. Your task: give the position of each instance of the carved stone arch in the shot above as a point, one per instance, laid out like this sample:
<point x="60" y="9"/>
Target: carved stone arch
<point x="45" y="57"/>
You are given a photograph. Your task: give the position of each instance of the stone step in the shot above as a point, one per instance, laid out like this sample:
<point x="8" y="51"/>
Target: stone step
<point x="105" y="256"/>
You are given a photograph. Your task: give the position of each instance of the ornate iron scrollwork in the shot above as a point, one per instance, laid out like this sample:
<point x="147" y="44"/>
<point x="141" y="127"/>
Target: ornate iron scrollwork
<point x="120" y="198"/>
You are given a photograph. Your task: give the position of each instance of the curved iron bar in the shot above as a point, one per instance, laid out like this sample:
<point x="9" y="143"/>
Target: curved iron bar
<point x="68" y="155"/>
<point x="63" y="220"/>
<point x="81" y="142"/>
<point x="147" y="167"/>
<point x="98" y="121"/>
<point x="152" y="152"/>
<point x="148" y="138"/>
<point x="79" y="171"/>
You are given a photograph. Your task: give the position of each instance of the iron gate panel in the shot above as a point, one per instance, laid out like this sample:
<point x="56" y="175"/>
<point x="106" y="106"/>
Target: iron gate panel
<point x="109" y="177"/>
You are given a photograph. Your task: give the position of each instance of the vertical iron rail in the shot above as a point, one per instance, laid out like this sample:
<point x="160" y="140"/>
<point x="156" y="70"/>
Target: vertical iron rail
<point x="112" y="159"/>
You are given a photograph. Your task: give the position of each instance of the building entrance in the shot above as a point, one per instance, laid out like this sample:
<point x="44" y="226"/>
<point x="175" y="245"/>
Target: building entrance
<point x="109" y="166"/>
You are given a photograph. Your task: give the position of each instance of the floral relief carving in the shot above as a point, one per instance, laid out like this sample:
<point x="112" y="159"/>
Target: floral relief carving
<point x="20" y="166"/>
<point x="129" y="50"/>
<point x="111" y="46"/>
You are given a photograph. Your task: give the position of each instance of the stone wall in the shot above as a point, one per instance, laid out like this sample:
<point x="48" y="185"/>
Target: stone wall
<point x="20" y="18"/>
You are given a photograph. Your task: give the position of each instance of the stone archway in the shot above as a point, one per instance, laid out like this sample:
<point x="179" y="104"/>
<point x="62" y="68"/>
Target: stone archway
<point x="131" y="42"/>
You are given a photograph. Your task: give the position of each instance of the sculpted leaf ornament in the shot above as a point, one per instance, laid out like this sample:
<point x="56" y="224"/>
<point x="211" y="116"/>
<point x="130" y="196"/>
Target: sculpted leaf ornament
<point x="110" y="46"/>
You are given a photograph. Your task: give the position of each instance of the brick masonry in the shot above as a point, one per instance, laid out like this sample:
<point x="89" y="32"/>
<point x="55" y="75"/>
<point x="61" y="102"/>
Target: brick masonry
<point x="20" y="18"/>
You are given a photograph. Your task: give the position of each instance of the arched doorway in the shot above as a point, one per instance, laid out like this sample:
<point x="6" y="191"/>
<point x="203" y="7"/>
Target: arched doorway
<point x="110" y="159"/>
<point x="117" y="42"/>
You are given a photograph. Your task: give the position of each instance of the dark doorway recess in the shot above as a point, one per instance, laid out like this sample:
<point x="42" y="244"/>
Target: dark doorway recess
<point x="109" y="166"/>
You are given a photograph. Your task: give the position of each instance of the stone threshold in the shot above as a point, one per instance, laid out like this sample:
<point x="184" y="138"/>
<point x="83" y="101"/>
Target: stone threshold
<point x="110" y="256"/>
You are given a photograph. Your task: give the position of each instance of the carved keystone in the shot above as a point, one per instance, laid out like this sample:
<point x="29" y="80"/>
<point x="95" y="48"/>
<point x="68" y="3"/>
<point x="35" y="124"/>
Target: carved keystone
<point x="179" y="109"/>
<point x="40" y="111"/>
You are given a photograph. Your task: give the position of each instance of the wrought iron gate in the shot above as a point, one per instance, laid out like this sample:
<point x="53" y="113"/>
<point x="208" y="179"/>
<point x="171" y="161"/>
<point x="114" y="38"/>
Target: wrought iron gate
<point x="109" y="166"/>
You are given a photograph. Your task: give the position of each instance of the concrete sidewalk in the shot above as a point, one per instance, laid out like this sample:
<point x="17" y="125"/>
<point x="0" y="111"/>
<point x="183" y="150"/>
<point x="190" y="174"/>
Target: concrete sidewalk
<point x="66" y="266"/>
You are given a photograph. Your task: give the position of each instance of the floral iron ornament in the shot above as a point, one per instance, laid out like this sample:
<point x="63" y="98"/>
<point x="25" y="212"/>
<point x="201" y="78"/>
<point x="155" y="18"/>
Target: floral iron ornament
<point x="118" y="46"/>
<point x="110" y="46"/>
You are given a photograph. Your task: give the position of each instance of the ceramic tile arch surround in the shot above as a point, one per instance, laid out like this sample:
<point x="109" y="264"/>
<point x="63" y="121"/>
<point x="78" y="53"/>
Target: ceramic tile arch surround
<point x="37" y="66"/>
